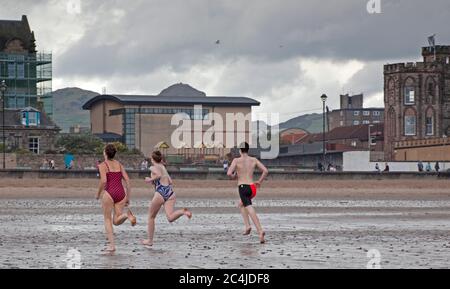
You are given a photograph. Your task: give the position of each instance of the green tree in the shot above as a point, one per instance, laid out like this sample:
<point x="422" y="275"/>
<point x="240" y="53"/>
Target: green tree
<point x="80" y="144"/>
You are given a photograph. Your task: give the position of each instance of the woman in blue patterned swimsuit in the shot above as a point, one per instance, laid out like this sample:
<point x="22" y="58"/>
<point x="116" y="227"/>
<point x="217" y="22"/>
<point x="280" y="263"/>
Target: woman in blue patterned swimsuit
<point x="164" y="196"/>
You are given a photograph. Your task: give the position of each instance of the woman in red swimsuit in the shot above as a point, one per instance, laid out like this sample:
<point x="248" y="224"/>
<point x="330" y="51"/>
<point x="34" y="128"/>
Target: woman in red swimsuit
<point x="115" y="197"/>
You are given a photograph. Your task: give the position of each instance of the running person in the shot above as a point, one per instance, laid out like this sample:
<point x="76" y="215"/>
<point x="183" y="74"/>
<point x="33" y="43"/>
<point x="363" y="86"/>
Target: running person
<point x="164" y="196"/>
<point x="243" y="169"/>
<point x="116" y="197"/>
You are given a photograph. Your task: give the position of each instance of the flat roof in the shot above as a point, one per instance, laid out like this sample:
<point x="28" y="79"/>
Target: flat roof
<point x="172" y="100"/>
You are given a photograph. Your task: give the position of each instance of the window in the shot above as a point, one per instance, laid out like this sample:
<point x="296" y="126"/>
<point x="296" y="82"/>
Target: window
<point x="20" y="71"/>
<point x="341" y="123"/>
<point x="32" y="119"/>
<point x="447" y="60"/>
<point x="429" y="123"/>
<point x="429" y="126"/>
<point x="410" y="123"/>
<point x="356" y="113"/>
<point x="376" y="113"/>
<point x="12" y="70"/>
<point x="353" y="144"/>
<point x="431" y="89"/>
<point x="33" y="145"/>
<point x="410" y="96"/>
<point x="366" y="113"/>
<point x="356" y="122"/>
<point x="376" y="121"/>
<point x="366" y="122"/>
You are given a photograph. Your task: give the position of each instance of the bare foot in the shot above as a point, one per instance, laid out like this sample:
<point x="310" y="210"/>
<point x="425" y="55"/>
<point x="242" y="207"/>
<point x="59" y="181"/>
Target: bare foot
<point x="187" y="213"/>
<point x="261" y="237"/>
<point x="132" y="218"/>
<point x="147" y="243"/>
<point x="247" y="231"/>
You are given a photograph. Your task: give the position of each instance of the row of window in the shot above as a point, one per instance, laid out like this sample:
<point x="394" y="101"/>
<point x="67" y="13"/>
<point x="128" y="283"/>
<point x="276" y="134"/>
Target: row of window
<point x="193" y="114"/>
<point x="411" y="125"/>
<point x="410" y="94"/>
<point x="366" y="113"/>
<point x="357" y="122"/>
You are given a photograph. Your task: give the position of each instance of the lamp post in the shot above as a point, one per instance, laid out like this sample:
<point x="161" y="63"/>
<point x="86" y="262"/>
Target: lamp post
<point x="324" y="100"/>
<point x="3" y="89"/>
<point x="370" y="137"/>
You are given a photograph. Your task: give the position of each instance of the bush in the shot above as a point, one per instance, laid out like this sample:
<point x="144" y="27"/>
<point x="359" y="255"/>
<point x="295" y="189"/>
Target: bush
<point x="80" y="144"/>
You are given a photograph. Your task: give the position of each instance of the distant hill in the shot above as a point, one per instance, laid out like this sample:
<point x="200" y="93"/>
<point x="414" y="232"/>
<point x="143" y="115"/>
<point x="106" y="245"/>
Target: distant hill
<point x="311" y="122"/>
<point x="67" y="103"/>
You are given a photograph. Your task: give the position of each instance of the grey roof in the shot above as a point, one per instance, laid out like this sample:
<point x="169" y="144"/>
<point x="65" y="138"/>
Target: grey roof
<point x="13" y="119"/>
<point x="173" y="100"/>
<point x="17" y="29"/>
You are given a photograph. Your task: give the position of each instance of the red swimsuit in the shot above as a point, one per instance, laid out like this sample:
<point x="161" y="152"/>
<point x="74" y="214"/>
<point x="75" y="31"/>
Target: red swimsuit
<point x="114" y="185"/>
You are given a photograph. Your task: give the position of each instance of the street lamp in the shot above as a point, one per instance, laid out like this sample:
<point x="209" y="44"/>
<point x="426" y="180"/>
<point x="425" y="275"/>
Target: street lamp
<point x="324" y="100"/>
<point x="370" y="137"/>
<point x="3" y="89"/>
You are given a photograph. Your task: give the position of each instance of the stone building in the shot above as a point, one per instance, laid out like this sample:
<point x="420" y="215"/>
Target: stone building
<point x="29" y="130"/>
<point x="417" y="107"/>
<point x="352" y="112"/>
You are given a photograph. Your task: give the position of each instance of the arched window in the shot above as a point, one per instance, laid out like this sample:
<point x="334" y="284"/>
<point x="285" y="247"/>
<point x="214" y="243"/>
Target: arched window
<point x="410" y="91"/>
<point x="431" y="90"/>
<point x="410" y="122"/>
<point x="392" y="122"/>
<point x="429" y="122"/>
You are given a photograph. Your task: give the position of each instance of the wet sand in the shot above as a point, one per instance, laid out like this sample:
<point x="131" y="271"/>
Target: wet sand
<point x="309" y="224"/>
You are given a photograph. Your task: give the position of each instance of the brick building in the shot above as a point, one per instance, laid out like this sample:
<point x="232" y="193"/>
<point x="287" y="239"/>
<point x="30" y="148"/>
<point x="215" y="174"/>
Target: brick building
<point x="417" y="107"/>
<point x="352" y="112"/>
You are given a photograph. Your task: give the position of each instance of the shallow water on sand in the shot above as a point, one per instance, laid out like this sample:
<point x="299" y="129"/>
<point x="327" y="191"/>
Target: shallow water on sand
<point x="301" y="233"/>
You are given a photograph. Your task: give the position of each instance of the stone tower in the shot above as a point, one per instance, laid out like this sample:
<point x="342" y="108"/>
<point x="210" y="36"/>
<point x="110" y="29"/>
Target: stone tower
<point x="417" y="99"/>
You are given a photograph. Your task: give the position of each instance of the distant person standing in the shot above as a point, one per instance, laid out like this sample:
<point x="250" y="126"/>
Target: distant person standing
<point x="428" y="167"/>
<point x="225" y="165"/>
<point x="377" y="168"/>
<point x="437" y="168"/>
<point x="420" y="166"/>
<point x="320" y="167"/>
<point x="387" y="168"/>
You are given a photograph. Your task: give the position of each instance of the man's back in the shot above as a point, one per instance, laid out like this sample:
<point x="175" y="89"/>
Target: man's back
<point x="245" y="168"/>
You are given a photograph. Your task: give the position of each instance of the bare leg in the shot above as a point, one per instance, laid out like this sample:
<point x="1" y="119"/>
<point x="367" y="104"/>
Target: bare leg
<point x="244" y="213"/>
<point x="108" y="206"/>
<point x="255" y="219"/>
<point x="172" y="215"/>
<point x="119" y="216"/>
<point x="155" y="205"/>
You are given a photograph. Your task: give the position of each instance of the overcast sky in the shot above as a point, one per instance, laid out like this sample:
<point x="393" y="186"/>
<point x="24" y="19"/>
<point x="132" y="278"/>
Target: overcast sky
<point x="284" y="53"/>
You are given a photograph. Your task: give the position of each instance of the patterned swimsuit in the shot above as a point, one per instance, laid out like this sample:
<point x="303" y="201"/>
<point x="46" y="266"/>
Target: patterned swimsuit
<point x="114" y="185"/>
<point x="165" y="191"/>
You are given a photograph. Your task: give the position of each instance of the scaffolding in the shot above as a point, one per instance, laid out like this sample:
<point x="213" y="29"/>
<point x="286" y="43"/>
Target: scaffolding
<point x="29" y="80"/>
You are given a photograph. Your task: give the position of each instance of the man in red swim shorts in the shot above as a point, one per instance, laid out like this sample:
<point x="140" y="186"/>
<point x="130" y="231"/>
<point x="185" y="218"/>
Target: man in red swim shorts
<point x="243" y="169"/>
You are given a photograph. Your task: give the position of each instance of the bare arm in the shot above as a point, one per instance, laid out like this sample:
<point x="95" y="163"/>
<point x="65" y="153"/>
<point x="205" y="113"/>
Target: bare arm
<point x="102" y="183"/>
<point x="231" y="170"/>
<point x="155" y="174"/>
<point x="263" y="170"/>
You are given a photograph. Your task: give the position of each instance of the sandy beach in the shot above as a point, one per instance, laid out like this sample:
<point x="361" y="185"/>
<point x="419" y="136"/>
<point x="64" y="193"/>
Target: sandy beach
<point x="309" y="224"/>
